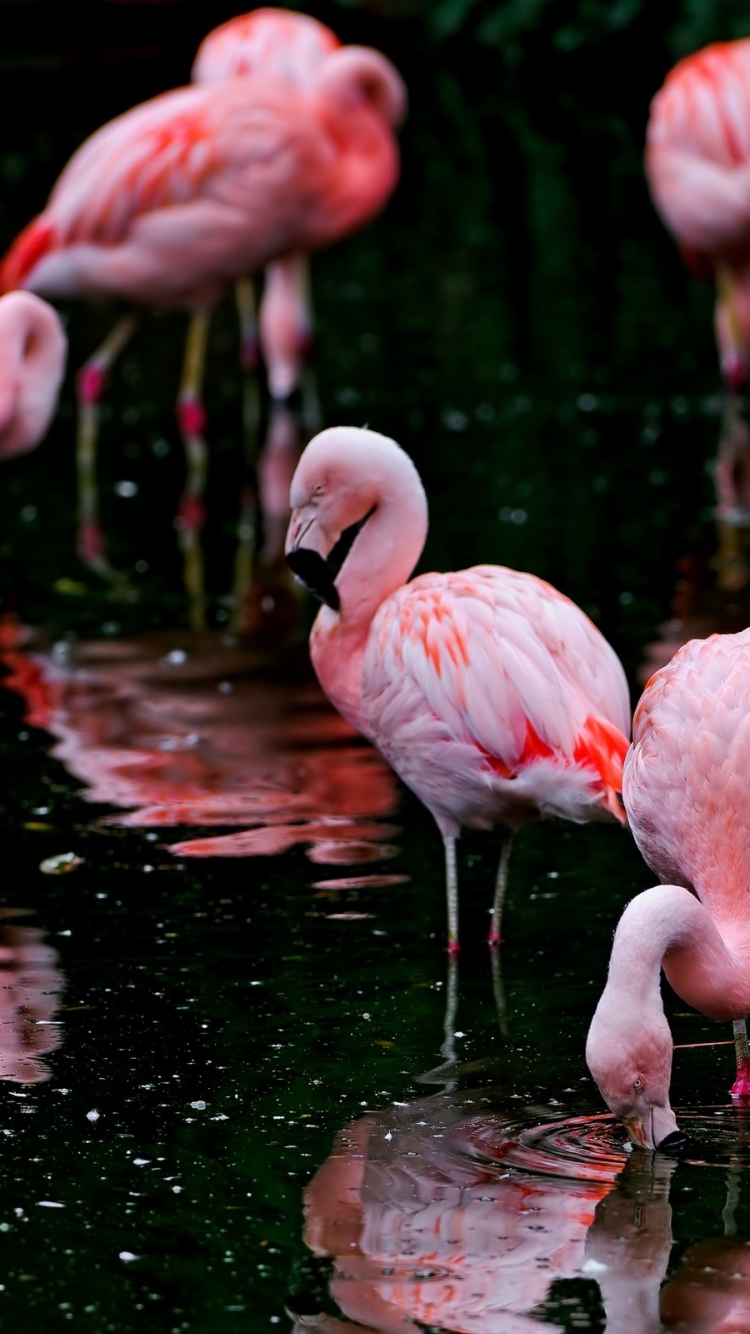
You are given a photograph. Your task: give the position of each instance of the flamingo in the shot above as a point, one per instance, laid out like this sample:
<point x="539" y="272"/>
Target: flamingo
<point x="33" y="350"/>
<point x="698" y="168"/>
<point x="291" y="48"/>
<point x="492" y="695"/>
<point x="684" y="789"/>
<point x="181" y="196"/>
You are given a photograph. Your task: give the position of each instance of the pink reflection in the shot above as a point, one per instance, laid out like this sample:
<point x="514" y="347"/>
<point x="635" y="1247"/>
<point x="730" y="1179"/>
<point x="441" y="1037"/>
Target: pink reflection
<point x="710" y="1293"/>
<point x="421" y="1231"/>
<point x="30" y="989"/>
<point x="179" y="733"/>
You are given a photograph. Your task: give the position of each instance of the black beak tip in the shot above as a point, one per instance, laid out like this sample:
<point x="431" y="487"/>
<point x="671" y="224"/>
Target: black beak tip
<point x="312" y="571"/>
<point x="673" y="1142"/>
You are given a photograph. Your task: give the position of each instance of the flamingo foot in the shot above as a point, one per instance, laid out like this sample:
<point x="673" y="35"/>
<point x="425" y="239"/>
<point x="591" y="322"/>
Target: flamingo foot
<point x="740" y="1090"/>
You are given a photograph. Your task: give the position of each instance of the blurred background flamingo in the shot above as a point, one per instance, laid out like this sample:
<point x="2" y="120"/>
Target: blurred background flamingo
<point x="174" y="200"/>
<point x="33" y="350"/>
<point x="698" y="167"/>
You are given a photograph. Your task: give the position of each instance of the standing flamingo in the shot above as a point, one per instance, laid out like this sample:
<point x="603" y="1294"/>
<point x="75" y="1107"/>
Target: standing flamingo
<point x="493" y="697"/>
<point x="698" y="167"/>
<point x="33" y="350"/>
<point x="183" y="195"/>
<point x="291" y="48"/>
<point x="684" y="788"/>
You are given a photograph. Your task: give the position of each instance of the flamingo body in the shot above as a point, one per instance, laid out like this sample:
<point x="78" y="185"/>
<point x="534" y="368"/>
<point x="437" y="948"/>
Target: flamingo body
<point x="173" y="200"/>
<point x="33" y="350"/>
<point x="698" y="166"/>
<point x="496" y="700"/>
<point x="684" y="788"/>
<point x="493" y="697"/>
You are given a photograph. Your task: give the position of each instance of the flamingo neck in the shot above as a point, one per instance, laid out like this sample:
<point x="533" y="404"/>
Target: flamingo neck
<point x="668" y="927"/>
<point x="381" y="559"/>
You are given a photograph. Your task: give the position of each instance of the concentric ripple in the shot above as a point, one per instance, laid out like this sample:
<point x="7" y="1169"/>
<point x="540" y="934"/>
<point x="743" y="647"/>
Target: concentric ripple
<point x="594" y="1148"/>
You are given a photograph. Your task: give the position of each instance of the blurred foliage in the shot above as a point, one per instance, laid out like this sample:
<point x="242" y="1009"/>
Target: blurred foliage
<point x="569" y="24"/>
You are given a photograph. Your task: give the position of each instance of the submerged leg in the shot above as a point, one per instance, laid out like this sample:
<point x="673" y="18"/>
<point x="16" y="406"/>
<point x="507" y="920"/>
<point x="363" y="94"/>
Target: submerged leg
<point x="451" y="887"/>
<point x="191" y="418"/>
<point x="741" y="1085"/>
<point x="247" y="528"/>
<point x="500" y="887"/>
<point x="90" y="384"/>
<point x="448" y="1049"/>
<point x="498" y="991"/>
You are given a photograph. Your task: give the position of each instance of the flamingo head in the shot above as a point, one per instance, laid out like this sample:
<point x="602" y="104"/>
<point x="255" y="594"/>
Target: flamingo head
<point x="345" y="476"/>
<point x="332" y="494"/>
<point x="629" y="1054"/>
<point x="356" y="77"/>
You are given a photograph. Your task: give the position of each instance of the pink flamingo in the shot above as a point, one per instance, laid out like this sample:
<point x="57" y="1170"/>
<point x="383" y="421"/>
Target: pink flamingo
<point x="33" y="350"/>
<point x="684" y="791"/>
<point x="698" y="167"/>
<point x="183" y="195"/>
<point x="493" y="697"/>
<point x="292" y="49"/>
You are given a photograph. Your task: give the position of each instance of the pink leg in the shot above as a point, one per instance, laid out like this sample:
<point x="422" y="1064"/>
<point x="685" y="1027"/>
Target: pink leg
<point x="191" y="419"/>
<point x="451" y="886"/>
<point x="501" y="883"/>
<point x="90" y="385"/>
<point x="741" y="1086"/>
<point x="247" y="528"/>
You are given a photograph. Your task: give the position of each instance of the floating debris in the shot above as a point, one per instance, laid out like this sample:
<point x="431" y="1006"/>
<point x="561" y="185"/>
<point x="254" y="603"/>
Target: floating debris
<point x="59" y="865"/>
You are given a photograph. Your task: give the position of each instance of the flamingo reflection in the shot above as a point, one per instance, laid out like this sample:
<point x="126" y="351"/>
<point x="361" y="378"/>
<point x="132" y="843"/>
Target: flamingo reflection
<point x="445" y="1214"/>
<point x="179" y="735"/>
<point x="30" y="989"/>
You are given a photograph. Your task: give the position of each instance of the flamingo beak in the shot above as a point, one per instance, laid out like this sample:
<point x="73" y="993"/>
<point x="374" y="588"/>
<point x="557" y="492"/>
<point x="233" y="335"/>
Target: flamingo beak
<point x="307" y="547"/>
<point x="652" y="1131"/>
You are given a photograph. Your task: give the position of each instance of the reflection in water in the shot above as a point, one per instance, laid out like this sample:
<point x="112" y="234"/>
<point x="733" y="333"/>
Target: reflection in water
<point x="30" y="989"/>
<point x="178" y="734"/>
<point x="445" y="1213"/>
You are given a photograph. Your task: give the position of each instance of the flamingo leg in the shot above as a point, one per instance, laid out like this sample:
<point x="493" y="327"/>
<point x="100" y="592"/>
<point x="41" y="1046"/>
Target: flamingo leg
<point x="247" y="527"/>
<point x="191" y="418"/>
<point x="500" y="888"/>
<point x="741" y="1085"/>
<point x="498" y="991"/>
<point x="448" y="1049"/>
<point x="90" y="386"/>
<point x="451" y="887"/>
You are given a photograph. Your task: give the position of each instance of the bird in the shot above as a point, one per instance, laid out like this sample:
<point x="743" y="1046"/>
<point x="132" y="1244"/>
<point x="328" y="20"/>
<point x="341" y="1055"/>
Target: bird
<point x="33" y="352"/>
<point x="494" y="698"/>
<point x="684" y="789"/>
<point x="290" y="48"/>
<point x="698" y="168"/>
<point x="173" y="201"/>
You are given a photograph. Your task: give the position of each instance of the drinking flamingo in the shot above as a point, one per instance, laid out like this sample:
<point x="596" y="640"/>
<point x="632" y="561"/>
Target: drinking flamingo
<point x="181" y="196"/>
<point x="685" y="794"/>
<point x="33" y="350"/>
<point x="492" y="695"/>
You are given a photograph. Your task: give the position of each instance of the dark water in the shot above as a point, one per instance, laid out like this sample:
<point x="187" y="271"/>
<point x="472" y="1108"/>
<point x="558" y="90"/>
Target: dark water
<point x="247" y="960"/>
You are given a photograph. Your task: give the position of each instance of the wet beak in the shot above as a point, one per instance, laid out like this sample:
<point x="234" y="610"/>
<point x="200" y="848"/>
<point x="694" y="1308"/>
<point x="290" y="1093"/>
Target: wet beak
<point x="653" y="1130"/>
<point x="307" y="547"/>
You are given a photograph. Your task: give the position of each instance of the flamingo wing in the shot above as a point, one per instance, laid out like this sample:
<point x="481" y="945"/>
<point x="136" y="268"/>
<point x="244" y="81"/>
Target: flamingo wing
<point x="508" y="665"/>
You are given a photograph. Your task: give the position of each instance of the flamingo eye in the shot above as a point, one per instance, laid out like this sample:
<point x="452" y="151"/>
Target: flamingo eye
<point x="637" y="1084"/>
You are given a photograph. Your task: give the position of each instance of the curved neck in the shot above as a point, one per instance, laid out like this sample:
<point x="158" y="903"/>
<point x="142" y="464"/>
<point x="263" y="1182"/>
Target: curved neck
<point x="668" y="927"/>
<point x="381" y="559"/>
